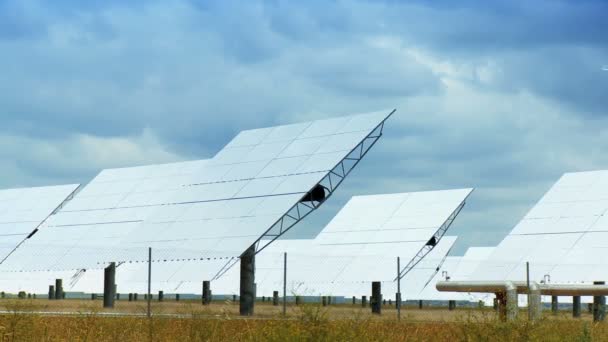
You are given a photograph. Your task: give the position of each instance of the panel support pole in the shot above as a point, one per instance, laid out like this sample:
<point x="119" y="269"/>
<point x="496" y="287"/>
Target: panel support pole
<point x="247" y="286"/>
<point x="109" y="281"/>
<point x="206" y="292"/>
<point x="376" y="297"/>
<point x="599" y="305"/>
<point x="576" y="306"/>
<point x="58" y="289"/>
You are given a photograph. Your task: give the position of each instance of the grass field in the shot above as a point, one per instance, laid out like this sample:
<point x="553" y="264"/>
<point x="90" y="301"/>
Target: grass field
<point x="76" y="320"/>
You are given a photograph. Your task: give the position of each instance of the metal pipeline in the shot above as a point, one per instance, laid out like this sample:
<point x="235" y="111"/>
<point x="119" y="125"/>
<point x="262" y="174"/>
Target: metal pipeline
<point x="504" y="289"/>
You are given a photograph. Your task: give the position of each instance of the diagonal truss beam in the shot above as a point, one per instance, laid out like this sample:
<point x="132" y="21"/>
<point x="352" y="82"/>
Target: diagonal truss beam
<point x="329" y="183"/>
<point x="432" y="242"/>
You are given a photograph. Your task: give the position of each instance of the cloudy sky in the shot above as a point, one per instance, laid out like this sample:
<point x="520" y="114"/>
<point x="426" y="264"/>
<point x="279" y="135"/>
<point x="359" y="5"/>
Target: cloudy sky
<point x="503" y="97"/>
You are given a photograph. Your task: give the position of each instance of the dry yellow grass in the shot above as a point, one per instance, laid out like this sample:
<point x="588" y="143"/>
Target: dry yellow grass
<point x="22" y="321"/>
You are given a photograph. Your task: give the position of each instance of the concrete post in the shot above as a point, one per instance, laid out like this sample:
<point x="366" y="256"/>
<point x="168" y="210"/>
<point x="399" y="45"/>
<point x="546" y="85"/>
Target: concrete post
<point x="599" y="305"/>
<point x="298" y="300"/>
<point x="135" y="297"/>
<point x="51" y="292"/>
<point x="535" y="304"/>
<point x="554" y="305"/>
<point x="247" y="286"/>
<point x="234" y="298"/>
<point x="354" y="300"/>
<point x="390" y="302"/>
<point x="363" y="301"/>
<point x="329" y="300"/>
<point x="324" y="300"/>
<point x="576" y="306"/>
<point x="275" y="298"/>
<point x="376" y="299"/>
<point x="130" y="297"/>
<point x="420" y="304"/>
<point x="161" y="296"/>
<point x="109" y="285"/>
<point x="512" y="307"/>
<point x="384" y="302"/>
<point x="507" y="303"/>
<point x="58" y="289"/>
<point x="495" y="304"/>
<point x="451" y="305"/>
<point x="118" y="296"/>
<point x="177" y="297"/>
<point x="590" y="308"/>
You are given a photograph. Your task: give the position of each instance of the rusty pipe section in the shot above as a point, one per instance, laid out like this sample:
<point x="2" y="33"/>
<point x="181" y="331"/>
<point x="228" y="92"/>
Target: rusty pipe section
<point x="574" y="290"/>
<point x="506" y="292"/>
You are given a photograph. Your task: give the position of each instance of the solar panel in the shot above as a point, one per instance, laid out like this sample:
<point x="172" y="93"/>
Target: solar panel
<point x="23" y="210"/>
<point x="564" y="236"/>
<point x="252" y="191"/>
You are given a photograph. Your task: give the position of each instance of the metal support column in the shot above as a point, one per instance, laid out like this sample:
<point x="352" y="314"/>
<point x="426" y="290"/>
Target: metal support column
<point x="109" y="280"/>
<point x="554" y="305"/>
<point x="376" y="299"/>
<point x="451" y="305"/>
<point x="275" y="298"/>
<point x="58" y="289"/>
<point x="206" y="292"/>
<point x="576" y="306"/>
<point x="599" y="305"/>
<point x="247" y="290"/>
<point x="51" y="292"/>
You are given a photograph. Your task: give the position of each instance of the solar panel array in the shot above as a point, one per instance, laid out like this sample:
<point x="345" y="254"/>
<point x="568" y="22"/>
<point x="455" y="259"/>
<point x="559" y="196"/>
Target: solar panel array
<point x="320" y="267"/>
<point x="24" y="210"/>
<point x="564" y="236"/>
<point x="214" y="208"/>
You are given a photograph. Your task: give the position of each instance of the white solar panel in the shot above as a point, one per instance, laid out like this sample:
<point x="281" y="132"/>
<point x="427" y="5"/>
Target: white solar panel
<point x="564" y="236"/>
<point x="23" y="210"/>
<point x="253" y="190"/>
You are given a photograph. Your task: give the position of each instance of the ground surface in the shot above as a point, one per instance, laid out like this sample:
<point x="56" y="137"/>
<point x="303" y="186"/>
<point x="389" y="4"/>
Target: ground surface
<point x="85" y="320"/>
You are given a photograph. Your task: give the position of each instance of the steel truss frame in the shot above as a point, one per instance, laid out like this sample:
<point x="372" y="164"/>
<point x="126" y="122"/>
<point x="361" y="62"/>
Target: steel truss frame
<point x="426" y="249"/>
<point x="329" y="183"/>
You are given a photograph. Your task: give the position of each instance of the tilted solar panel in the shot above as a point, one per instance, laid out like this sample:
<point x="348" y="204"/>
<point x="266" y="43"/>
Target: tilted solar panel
<point x="564" y="236"/>
<point x="23" y="210"/>
<point x="256" y="188"/>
